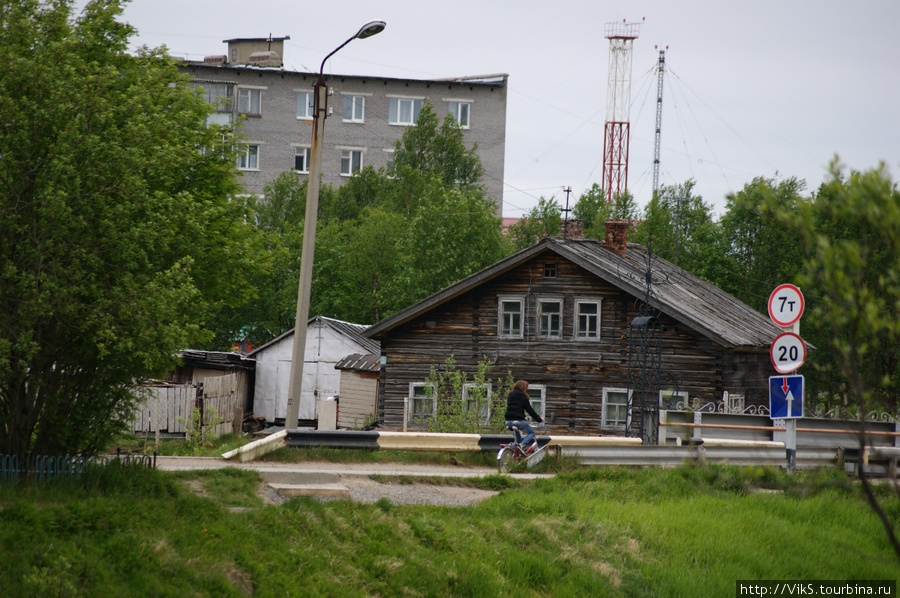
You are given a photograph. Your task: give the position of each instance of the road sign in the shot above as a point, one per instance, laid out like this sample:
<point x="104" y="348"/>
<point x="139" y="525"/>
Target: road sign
<point x="785" y="397"/>
<point x="786" y="305"/>
<point x="788" y="352"/>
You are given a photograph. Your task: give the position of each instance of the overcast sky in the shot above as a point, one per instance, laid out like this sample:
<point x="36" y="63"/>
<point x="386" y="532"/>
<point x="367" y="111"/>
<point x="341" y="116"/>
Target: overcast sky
<point x="752" y="88"/>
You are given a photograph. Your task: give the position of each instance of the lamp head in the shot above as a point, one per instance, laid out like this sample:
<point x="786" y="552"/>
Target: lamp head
<point x="370" y="29"/>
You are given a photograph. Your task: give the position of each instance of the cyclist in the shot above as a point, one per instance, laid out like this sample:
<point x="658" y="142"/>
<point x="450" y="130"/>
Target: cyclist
<point x="517" y="404"/>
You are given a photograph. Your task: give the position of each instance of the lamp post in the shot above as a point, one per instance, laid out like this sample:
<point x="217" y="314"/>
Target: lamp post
<point x="320" y="107"/>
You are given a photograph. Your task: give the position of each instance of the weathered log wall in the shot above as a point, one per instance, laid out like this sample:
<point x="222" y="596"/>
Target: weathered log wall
<point x="574" y="371"/>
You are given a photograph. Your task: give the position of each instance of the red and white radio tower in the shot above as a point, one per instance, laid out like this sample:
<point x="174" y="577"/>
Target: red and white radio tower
<point x="618" y="104"/>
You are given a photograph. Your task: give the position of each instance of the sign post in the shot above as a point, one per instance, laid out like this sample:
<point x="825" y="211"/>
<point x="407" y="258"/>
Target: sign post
<point x="788" y="353"/>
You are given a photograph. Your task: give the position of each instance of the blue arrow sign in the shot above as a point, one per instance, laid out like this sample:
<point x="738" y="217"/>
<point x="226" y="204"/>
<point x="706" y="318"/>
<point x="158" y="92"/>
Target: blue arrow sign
<point x="785" y="397"/>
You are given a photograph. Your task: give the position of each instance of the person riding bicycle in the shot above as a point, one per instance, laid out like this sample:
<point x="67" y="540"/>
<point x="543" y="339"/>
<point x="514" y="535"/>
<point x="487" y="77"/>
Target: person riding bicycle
<point x="517" y="403"/>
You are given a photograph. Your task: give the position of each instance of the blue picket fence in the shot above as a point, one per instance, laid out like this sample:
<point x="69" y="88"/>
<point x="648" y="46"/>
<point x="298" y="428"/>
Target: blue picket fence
<point x="40" y="469"/>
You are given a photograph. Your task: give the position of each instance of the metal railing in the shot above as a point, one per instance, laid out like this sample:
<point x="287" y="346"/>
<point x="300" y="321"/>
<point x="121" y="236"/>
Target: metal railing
<point x="41" y="469"/>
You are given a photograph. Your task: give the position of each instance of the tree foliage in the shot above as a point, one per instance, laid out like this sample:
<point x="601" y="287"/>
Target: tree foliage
<point x="594" y="210"/>
<point x="542" y="221"/>
<point x="850" y="234"/>
<point x="117" y="221"/>
<point x="761" y="251"/>
<point x="385" y="239"/>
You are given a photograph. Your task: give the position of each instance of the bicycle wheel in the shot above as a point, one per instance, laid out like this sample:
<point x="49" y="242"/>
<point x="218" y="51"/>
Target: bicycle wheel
<point x="503" y="459"/>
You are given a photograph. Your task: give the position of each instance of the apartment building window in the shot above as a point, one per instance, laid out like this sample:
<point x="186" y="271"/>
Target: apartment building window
<point x="420" y="403"/>
<point x="248" y="157"/>
<point x="587" y="319"/>
<point x="219" y="95"/>
<point x="305" y="105"/>
<point x="389" y="157"/>
<point x="354" y="108"/>
<point x="460" y="113"/>
<point x="351" y="161"/>
<point x="301" y="159"/>
<point x="549" y="318"/>
<point x="615" y="408"/>
<point x="250" y="102"/>
<point x="404" y="111"/>
<point x="510" y="321"/>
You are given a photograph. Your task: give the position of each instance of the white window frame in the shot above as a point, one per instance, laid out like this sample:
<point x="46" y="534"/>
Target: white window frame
<point x="616" y="424"/>
<point x="306" y="97"/>
<point x="541" y="390"/>
<point x="395" y="111"/>
<point x="361" y="104"/>
<point x="681" y="394"/>
<point x="221" y="103"/>
<point x="347" y="154"/>
<point x="459" y="107"/>
<point x="501" y="317"/>
<point x="245" y="100"/>
<point x="414" y="400"/>
<point x="578" y="331"/>
<point x="307" y="153"/>
<point x="485" y="410"/>
<point x="248" y="157"/>
<point x="544" y="321"/>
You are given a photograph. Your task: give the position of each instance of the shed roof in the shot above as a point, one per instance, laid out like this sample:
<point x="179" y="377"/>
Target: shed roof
<point x="360" y="363"/>
<point x="347" y="329"/>
<point x="680" y="295"/>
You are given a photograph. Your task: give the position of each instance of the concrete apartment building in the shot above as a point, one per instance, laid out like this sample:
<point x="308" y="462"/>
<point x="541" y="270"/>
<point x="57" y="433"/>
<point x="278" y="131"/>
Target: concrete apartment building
<point x="367" y="114"/>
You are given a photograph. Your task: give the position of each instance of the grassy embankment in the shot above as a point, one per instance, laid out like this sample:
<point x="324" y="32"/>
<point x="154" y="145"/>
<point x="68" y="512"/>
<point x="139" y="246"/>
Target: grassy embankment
<point x="593" y="532"/>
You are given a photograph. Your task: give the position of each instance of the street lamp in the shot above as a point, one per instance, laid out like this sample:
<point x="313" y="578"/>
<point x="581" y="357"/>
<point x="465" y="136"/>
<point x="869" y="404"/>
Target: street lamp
<point x="320" y="107"/>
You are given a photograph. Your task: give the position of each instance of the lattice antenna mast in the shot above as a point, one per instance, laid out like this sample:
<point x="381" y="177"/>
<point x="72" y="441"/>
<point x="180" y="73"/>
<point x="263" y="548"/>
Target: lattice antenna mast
<point x="616" y="134"/>
<point x="659" y="105"/>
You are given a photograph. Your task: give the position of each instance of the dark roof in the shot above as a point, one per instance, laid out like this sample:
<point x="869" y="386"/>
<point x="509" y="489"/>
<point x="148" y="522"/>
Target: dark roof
<point x="498" y="80"/>
<point x="684" y="297"/>
<point x="216" y="359"/>
<point x="348" y="329"/>
<point x="360" y="363"/>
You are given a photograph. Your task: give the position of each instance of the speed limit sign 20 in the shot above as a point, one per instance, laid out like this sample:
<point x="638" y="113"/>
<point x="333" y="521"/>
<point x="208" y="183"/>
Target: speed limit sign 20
<point x="788" y="352"/>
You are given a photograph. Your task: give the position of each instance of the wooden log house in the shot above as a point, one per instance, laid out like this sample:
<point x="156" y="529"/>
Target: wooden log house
<point x="559" y="315"/>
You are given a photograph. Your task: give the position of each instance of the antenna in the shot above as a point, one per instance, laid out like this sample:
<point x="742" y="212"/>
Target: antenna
<point x="659" y="105"/>
<point x="616" y="133"/>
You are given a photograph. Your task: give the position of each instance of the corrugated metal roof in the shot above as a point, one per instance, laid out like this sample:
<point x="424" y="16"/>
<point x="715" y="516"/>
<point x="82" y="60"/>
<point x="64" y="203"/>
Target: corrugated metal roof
<point x="687" y="299"/>
<point x="216" y="358"/>
<point x="360" y="363"/>
<point x="349" y="329"/>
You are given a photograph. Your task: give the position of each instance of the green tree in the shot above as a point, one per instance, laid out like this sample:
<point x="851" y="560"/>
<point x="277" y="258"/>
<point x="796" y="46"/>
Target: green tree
<point x="761" y="250"/>
<point x="680" y="225"/>
<point x="542" y="221"/>
<point x="594" y="210"/>
<point x="438" y="148"/>
<point x="850" y="235"/>
<point x="121" y="231"/>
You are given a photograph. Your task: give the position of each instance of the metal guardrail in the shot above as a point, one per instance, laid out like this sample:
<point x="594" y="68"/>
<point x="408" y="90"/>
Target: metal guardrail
<point x="673" y="456"/>
<point x="614" y="450"/>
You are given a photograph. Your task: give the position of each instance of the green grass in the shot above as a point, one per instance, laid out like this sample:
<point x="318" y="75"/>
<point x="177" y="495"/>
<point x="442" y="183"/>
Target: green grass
<point x="595" y="532"/>
<point x="215" y="447"/>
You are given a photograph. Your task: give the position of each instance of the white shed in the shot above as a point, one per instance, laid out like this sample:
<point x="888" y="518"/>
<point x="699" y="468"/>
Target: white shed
<point x="328" y="341"/>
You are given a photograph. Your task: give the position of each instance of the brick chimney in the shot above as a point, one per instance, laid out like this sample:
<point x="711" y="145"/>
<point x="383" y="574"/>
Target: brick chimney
<point x="571" y="229"/>
<point x="617" y="236"/>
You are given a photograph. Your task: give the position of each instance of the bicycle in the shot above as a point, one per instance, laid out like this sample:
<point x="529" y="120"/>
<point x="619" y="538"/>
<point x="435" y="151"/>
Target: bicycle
<point x="513" y="453"/>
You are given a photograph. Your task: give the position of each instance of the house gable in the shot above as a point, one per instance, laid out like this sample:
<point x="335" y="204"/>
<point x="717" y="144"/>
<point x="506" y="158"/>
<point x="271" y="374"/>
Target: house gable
<point x="530" y="315"/>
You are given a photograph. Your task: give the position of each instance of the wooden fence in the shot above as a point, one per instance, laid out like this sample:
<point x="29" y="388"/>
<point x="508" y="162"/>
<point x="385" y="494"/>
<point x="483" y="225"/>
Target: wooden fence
<point x="169" y="408"/>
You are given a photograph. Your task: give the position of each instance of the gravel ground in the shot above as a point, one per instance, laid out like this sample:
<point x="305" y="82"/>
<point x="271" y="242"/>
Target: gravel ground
<point x="367" y="490"/>
<point x="356" y="478"/>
